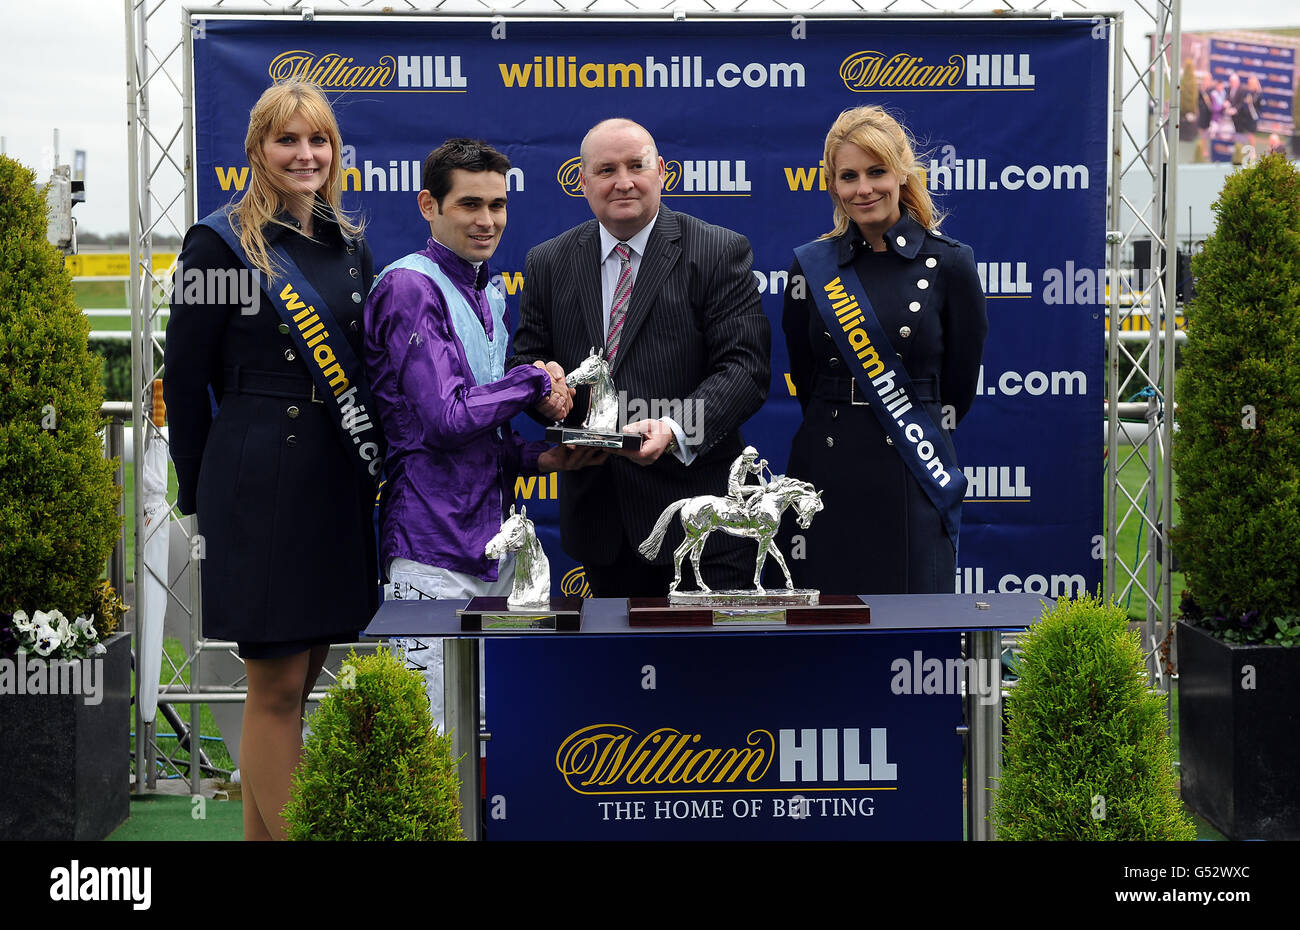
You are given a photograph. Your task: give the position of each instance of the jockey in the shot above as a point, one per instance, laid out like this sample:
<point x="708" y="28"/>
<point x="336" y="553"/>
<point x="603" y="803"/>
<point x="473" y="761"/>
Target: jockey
<point x="742" y="468"/>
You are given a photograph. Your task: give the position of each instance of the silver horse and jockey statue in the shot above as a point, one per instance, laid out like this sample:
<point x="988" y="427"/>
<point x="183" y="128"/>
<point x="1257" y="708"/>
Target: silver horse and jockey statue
<point x="532" y="586"/>
<point x="751" y="511"/>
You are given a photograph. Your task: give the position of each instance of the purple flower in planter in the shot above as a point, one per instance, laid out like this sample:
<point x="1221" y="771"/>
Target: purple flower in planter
<point x="1248" y="619"/>
<point x="8" y="641"/>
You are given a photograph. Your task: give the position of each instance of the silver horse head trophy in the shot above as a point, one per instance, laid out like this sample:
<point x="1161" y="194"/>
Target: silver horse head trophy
<point x="532" y="568"/>
<point x="749" y="511"/>
<point x="594" y="370"/>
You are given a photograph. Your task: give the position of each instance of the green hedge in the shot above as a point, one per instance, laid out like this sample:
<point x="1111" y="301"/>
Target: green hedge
<point x="373" y="767"/>
<point x="58" y="518"/>
<point x="1086" y="756"/>
<point x="115" y="367"/>
<point x="1237" y="451"/>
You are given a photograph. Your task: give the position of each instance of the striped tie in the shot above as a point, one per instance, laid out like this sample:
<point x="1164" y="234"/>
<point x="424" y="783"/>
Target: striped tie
<point x="622" y="295"/>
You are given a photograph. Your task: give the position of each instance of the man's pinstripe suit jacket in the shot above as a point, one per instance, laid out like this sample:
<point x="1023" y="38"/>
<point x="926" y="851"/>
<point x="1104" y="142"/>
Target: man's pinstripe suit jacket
<point x="695" y="332"/>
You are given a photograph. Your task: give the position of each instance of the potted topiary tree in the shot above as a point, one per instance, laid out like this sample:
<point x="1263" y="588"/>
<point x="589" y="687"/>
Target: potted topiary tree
<point x="64" y="694"/>
<point x="373" y="766"/>
<point x="1237" y="454"/>
<point x="1086" y="754"/>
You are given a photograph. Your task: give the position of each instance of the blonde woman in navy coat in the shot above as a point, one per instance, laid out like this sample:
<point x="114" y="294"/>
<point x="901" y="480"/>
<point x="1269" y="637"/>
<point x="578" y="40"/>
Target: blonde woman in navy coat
<point x="289" y="553"/>
<point x="879" y="532"/>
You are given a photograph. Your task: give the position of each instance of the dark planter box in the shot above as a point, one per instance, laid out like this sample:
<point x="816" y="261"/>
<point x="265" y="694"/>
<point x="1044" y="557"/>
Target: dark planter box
<point x="65" y="765"/>
<point x="1240" y="746"/>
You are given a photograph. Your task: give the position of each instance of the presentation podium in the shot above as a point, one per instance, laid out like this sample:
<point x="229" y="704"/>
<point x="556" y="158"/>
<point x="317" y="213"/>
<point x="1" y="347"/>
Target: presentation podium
<point x="618" y="731"/>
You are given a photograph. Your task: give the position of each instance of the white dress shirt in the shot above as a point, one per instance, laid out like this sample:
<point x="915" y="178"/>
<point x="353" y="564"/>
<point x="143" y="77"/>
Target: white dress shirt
<point x="610" y="267"/>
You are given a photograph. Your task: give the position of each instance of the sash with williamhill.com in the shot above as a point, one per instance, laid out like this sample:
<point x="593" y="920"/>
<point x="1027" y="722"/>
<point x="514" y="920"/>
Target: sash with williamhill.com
<point x="852" y="324"/>
<point x="334" y="368"/>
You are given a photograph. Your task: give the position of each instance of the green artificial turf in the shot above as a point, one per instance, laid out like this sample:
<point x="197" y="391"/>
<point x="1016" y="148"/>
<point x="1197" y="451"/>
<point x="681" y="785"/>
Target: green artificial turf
<point x="168" y="817"/>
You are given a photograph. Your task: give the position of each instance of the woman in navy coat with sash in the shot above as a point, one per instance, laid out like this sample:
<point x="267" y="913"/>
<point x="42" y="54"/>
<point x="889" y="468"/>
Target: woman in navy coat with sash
<point x="883" y="530"/>
<point x="284" y="510"/>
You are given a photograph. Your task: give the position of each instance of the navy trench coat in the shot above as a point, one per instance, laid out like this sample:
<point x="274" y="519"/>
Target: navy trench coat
<point x="288" y="536"/>
<point x="879" y="533"/>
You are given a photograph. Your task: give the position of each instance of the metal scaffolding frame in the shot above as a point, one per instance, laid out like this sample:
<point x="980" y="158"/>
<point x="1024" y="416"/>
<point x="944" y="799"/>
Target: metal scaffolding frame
<point x="161" y="178"/>
<point x="1150" y="362"/>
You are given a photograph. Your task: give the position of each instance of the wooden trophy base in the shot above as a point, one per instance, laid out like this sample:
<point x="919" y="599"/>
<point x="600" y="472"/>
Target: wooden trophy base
<point x="831" y="609"/>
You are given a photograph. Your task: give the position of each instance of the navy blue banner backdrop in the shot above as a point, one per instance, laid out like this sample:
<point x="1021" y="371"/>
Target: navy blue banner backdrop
<point x="1011" y="116"/>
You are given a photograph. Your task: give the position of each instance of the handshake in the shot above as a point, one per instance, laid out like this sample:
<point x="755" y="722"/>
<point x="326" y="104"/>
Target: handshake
<point x="557" y="404"/>
<point x="658" y="435"/>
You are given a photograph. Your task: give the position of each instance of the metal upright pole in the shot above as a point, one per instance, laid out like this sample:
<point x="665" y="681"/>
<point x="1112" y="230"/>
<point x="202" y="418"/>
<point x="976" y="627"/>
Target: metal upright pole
<point x="985" y="718"/>
<point x="1115" y="238"/>
<point x="460" y="700"/>
<point x="1170" y="346"/>
<point x="134" y="44"/>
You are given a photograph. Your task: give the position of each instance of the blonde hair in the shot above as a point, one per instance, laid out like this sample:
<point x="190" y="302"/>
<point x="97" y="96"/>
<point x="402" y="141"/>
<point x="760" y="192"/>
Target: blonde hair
<point x="263" y="201"/>
<point x="872" y="129"/>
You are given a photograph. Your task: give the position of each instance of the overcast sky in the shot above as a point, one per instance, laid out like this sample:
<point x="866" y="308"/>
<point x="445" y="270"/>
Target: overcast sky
<point x="63" y="65"/>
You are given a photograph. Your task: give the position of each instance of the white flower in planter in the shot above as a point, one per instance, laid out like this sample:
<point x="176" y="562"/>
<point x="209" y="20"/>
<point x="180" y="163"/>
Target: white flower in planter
<point x="47" y="640"/>
<point x="67" y="636"/>
<point x="21" y="623"/>
<point x="84" y="627"/>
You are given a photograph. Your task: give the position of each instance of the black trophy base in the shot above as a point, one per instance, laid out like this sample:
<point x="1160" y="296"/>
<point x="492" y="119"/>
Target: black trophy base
<point x="599" y="438"/>
<point x="831" y="609"/>
<point x="495" y="615"/>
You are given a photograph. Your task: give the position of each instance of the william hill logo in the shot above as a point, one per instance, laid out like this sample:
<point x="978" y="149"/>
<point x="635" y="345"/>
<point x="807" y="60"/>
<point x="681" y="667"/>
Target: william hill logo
<point x="702" y="177"/>
<point x="871" y="70"/>
<point x="574" y="583"/>
<point x="608" y="758"/>
<point x="400" y="72"/>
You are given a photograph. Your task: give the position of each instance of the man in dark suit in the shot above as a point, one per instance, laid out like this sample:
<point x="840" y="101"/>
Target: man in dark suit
<point x="672" y="300"/>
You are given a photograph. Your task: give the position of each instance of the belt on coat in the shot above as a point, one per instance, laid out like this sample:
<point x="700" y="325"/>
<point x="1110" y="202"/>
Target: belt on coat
<point x="240" y="380"/>
<point x="846" y="391"/>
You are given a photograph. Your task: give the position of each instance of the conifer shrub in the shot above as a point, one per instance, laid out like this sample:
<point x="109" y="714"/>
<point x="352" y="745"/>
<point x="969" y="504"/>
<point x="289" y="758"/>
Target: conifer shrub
<point x="373" y="767"/>
<point x="1086" y="754"/>
<point x="1237" y="451"/>
<point x="58" y="516"/>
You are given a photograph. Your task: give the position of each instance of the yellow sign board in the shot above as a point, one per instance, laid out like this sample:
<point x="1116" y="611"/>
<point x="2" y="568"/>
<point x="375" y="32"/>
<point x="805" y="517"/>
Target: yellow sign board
<point x="113" y="264"/>
<point x="1138" y="322"/>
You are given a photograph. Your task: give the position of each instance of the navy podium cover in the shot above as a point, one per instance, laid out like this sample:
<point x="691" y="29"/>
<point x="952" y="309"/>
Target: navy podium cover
<point x="724" y="737"/>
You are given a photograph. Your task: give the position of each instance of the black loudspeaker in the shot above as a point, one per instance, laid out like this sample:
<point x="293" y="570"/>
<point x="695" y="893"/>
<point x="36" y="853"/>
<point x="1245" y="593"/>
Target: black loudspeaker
<point x="1186" y="284"/>
<point x="1142" y="265"/>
